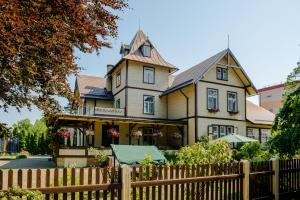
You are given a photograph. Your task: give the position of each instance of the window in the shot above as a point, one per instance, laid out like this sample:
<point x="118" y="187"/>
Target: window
<point x="230" y="130"/>
<point x="118" y="80"/>
<point x="149" y="75"/>
<point x="221" y="130"/>
<point x="118" y="104"/>
<point x="222" y="73"/>
<point x="148" y="104"/>
<point x="148" y="136"/>
<point x="232" y="102"/>
<point x="212" y="99"/>
<point x="146" y="49"/>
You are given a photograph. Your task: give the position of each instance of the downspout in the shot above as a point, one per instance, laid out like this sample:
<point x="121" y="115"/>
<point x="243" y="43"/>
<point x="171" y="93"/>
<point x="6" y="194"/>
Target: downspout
<point x="196" y="111"/>
<point x="187" y="115"/>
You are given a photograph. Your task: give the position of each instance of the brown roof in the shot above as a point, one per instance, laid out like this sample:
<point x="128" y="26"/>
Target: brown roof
<point x="196" y="73"/>
<point x="92" y="87"/>
<point x="135" y="53"/>
<point x="258" y="115"/>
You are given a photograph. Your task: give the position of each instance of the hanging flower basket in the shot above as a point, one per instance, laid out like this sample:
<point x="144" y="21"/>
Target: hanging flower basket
<point x="64" y="133"/>
<point x="113" y="133"/>
<point x="176" y="136"/>
<point x="157" y="133"/>
<point x="137" y="133"/>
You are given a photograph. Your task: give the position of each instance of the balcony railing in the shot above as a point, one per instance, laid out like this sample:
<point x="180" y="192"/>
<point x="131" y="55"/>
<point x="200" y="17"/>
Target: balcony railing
<point x="109" y="111"/>
<point x="101" y="111"/>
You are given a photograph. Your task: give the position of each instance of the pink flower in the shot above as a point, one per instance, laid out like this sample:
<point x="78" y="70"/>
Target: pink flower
<point x="64" y="133"/>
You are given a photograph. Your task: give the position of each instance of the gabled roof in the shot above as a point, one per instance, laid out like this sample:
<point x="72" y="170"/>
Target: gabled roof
<point x="92" y="87"/>
<point x="135" y="53"/>
<point x="258" y="115"/>
<point x="196" y="73"/>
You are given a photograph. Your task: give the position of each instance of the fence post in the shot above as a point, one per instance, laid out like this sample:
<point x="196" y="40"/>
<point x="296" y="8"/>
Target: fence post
<point x="126" y="182"/>
<point x="246" y="171"/>
<point x="275" y="168"/>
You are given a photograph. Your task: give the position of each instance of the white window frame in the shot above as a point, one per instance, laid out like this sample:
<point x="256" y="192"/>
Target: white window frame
<point x="212" y="97"/>
<point x="222" y="74"/>
<point x="147" y="75"/>
<point x="148" y="105"/>
<point x="230" y="101"/>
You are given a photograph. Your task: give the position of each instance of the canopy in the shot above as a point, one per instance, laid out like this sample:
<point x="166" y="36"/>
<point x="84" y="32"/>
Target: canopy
<point x="235" y="138"/>
<point x="133" y="154"/>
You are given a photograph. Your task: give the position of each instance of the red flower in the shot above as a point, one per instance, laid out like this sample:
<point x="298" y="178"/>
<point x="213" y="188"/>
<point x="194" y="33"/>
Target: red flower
<point x="64" y="133"/>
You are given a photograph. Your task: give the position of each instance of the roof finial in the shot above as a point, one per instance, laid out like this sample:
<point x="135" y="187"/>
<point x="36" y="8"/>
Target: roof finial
<point x="139" y="23"/>
<point x="228" y="41"/>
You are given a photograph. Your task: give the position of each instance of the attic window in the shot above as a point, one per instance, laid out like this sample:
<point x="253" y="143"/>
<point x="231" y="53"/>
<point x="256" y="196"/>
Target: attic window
<point x="146" y="49"/>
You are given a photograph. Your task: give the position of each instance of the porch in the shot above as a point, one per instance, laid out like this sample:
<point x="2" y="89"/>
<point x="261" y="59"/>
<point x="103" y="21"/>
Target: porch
<point x="95" y="131"/>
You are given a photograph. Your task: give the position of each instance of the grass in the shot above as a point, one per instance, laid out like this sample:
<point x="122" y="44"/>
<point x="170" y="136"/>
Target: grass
<point x="13" y="156"/>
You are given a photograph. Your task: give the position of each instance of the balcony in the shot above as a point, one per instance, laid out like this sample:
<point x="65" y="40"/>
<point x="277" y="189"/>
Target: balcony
<point x="101" y="111"/>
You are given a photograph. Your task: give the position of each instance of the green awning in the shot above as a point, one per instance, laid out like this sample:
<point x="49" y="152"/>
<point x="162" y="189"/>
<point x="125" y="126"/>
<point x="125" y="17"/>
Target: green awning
<point x="235" y="138"/>
<point x="133" y="154"/>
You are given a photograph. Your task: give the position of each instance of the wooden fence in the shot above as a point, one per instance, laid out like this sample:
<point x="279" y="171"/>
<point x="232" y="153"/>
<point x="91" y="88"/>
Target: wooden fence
<point x="289" y="178"/>
<point x="66" y="183"/>
<point x="217" y="181"/>
<point x="235" y="180"/>
<point x="261" y="180"/>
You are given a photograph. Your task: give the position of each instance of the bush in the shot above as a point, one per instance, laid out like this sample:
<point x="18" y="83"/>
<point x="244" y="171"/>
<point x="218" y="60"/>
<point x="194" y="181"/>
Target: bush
<point x="204" y="152"/>
<point x="20" y="156"/>
<point x="252" y="151"/>
<point x="16" y="192"/>
<point x="102" y="159"/>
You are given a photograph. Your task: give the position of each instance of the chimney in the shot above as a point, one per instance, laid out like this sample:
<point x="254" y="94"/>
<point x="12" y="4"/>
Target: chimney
<point x="109" y="67"/>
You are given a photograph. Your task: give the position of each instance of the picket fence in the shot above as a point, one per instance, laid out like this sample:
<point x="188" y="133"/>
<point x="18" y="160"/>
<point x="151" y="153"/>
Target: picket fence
<point x="235" y="180"/>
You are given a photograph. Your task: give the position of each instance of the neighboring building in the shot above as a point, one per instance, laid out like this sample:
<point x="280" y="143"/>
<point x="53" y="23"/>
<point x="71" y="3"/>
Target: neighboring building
<point x="140" y="94"/>
<point x="271" y="97"/>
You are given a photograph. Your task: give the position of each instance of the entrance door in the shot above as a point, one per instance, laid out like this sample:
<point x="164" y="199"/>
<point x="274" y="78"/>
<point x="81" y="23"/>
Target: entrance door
<point x="106" y="138"/>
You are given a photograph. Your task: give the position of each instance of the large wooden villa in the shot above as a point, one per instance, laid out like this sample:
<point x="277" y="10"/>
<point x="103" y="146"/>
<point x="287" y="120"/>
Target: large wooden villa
<point x="141" y="100"/>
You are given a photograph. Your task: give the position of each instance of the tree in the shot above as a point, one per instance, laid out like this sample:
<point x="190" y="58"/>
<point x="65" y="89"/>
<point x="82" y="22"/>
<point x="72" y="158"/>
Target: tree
<point x="38" y="39"/>
<point x="5" y="132"/>
<point x="286" y="127"/>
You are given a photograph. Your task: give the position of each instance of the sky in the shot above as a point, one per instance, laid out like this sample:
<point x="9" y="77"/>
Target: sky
<point x="264" y="36"/>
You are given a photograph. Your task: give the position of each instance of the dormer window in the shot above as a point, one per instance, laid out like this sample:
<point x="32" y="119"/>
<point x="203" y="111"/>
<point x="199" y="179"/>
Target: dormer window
<point x="146" y="49"/>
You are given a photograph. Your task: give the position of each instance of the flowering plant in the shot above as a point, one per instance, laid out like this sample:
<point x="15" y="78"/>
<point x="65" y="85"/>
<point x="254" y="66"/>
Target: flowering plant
<point x="157" y="133"/>
<point x="64" y="133"/>
<point x="137" y="133"/>
<point x="176" y="136"/>
<point x="113" y="132"/>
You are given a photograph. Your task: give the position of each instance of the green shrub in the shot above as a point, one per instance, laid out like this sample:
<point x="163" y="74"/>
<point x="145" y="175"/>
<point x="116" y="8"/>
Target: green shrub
<point x="16" y="192"/>
<point x="21" y="156"/>
<point x="204" y="152"/>
<point x="252" y="151"/>
<point x="102" y="158"/>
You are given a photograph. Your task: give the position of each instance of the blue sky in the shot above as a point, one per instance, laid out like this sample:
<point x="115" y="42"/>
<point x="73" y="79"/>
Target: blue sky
<point x="264" y="36"/>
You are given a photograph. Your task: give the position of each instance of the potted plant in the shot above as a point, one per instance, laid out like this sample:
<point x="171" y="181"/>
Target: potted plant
<point x="65" y="134"/>
<point x="114" y="133"/>
<point x="137" y="134"/>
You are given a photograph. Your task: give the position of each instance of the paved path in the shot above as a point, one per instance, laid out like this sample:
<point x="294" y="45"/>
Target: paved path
<point x="27" y="163"/>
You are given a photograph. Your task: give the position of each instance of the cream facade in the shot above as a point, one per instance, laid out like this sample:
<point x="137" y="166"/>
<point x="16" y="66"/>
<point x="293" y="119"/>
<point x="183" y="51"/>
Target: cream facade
<point x="146" y="104"/>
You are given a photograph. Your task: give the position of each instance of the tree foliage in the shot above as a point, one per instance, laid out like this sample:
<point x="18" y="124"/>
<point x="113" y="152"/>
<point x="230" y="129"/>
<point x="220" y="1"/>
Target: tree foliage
<point x="33" y="137"/>
<point x="204" y="152"/>
<point x="38" y="39"/>
<point x="252" y="151"/>
<point x="286" y="128"/>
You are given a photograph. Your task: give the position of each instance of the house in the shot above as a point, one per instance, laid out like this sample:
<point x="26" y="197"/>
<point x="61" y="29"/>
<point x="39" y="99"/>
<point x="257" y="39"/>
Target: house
<point x="271" y="97"/>
<point x="142" y="100"/>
